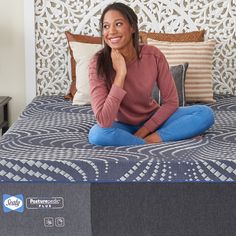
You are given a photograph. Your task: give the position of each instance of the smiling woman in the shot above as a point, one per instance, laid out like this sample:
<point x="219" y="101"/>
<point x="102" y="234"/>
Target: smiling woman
<point x="119" y="28"/>
<point x="122" y="76"/>
<point x="117" y="33"/>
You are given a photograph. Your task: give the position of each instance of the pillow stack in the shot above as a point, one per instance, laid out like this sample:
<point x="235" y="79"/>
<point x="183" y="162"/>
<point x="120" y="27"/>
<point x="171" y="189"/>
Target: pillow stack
<point x="189" y="57"/>
<point x="191" y="48"/>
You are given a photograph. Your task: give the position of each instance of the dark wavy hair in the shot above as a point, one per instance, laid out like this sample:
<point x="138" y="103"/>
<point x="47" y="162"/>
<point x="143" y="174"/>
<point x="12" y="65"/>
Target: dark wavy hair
<point x="104" y="62"/>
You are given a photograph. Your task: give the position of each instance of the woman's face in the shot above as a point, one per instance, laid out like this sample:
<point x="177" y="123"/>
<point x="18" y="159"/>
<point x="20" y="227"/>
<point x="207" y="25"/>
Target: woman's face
<point x="117" y="32"/>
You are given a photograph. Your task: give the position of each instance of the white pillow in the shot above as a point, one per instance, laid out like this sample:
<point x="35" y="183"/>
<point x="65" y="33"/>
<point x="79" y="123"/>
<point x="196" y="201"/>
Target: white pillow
<point x="82" y="53"/>
<point x="199" y="55"/>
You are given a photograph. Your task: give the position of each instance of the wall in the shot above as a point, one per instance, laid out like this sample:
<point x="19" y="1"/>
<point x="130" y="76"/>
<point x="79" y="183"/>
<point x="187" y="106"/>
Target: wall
<point x="12" y="61"/>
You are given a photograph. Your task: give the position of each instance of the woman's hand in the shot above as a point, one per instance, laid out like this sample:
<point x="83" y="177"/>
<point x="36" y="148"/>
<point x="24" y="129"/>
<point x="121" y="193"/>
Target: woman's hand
<point x="153" y="138"/>
<point x="119" y="66"/>
<point x="142" y="132"/>
<point x="118" y="62"/>
<point x="148" y="138"/>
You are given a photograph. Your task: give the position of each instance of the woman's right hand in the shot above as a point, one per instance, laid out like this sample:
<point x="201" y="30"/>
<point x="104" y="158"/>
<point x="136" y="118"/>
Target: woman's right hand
<point x="119" y="65"/>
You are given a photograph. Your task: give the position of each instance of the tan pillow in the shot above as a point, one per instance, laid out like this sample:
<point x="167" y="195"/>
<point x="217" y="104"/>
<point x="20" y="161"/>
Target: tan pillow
<point x="82" y="39"/>
<point x="83" y="52"/>
<point x="199" y="82"/>
<point x="194" y="36"/>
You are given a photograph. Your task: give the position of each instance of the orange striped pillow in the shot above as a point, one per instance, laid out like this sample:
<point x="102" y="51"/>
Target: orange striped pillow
<point x="199" y="55"/>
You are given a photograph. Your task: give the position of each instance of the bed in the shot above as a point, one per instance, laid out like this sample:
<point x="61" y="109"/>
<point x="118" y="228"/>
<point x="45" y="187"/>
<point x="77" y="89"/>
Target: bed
<point x="53" y="182"/>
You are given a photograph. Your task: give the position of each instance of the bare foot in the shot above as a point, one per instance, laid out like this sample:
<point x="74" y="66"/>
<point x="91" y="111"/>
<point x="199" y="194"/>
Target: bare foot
<point x="199" y="137"/>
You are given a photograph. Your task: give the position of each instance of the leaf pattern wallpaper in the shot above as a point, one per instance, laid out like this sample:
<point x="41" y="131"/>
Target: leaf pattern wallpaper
<point x="54" y="17"/>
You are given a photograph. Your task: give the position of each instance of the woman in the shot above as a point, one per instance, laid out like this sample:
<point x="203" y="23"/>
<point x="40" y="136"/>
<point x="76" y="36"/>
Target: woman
<point x="122" y="76"/>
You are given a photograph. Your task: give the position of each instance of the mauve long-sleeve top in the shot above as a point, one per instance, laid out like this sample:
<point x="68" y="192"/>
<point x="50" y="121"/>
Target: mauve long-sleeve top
<point x="133" y="104"/>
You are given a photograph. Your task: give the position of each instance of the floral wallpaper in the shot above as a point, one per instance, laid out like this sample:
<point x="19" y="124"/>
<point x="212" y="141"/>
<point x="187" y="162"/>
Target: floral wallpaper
<point x="54" y="17"/>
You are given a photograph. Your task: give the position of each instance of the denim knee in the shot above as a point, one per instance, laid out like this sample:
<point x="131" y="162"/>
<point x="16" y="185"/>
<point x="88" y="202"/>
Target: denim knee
<point x="208" y="114"/>
<point x="195" y="119"/>
<point x="112" y="137"/>
<point x="95" y="135"/>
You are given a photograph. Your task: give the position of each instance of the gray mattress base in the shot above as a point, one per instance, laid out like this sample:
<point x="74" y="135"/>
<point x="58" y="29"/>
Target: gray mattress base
<point x="120" y="209"/>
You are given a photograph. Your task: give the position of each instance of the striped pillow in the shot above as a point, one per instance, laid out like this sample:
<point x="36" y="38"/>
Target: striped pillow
<point x="199" y="55"/>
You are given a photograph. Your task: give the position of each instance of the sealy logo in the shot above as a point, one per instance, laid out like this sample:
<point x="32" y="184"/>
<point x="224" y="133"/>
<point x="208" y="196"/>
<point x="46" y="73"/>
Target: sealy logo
<point x="13" y="203"/>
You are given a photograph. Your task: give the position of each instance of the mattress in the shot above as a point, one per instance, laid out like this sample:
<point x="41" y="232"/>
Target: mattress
<point x="48" y="143"/>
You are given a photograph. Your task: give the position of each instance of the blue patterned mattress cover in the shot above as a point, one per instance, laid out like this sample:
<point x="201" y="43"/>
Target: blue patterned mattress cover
<point x="48" y="143"/>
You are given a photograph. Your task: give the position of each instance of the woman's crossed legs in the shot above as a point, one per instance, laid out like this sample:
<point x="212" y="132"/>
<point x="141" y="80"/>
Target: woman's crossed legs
<point x="187" y="122"/>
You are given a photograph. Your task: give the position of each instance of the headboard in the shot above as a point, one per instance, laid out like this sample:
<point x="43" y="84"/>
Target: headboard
<point x="54" y="17"/>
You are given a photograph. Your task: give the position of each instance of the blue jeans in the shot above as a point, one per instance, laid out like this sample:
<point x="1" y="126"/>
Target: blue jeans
<point x="186" y="122"/>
